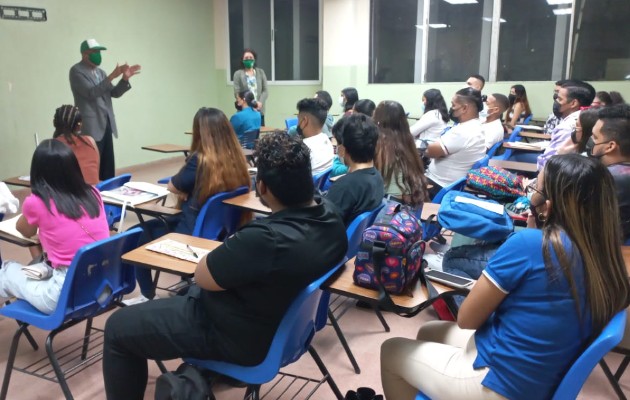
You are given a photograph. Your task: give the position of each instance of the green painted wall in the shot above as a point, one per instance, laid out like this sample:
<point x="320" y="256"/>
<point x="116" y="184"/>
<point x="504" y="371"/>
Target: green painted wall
<point x="172" y="40"/>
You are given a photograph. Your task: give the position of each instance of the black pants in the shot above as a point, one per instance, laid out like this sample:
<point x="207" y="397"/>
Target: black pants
<point x="105" y="146"/>
<point x="435" y="189"/>
<point x="163" y="329"/>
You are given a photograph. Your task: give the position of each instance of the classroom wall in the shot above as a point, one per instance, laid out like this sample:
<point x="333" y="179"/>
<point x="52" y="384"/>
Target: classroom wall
<point x="172" y="40"/>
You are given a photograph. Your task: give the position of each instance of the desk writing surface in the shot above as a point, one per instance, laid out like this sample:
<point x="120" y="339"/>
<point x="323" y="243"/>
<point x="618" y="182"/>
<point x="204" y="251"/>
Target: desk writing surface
<point x="523" y="146"/>
<point x="167" y="148"/>
<point x="513" y="165"/>
<point x="162" y="262"/>
<point x="16" y="240"/>
<point x="16" y="181"/>
<point x="429" y="209"/>
<point x="532" y="135"/>
<point x="250" y="202"/>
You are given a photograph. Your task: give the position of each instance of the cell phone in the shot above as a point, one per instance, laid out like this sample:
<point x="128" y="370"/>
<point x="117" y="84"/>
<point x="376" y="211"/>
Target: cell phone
<point x="449" y="279"/>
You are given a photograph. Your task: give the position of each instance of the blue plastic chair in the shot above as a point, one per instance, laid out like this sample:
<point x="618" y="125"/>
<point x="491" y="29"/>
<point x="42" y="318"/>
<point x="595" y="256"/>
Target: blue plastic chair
<point x="216" y="219"/>
<point x="582" y="367"/>
<point x="515" y="136"/>
<point x="113" y="212"/>
<point x="481" y="163"/>
<point x="292" y="339"/>
<point x="95" y="280"/>
<point x="165" y="180"/>
<point x="528" y="119"/>
<point x="493" y="150"/>
<point x="319" y="180"/>
<point x="249" y="138"/>
<point x="457" y="185"/>
<point x="289" y="122"/>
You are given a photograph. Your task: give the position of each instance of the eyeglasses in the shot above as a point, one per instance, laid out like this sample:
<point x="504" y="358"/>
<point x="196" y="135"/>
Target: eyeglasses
<point x="531" y="188"/>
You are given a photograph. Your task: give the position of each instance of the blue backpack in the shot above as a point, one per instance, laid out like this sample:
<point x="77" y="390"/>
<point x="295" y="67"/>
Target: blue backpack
<point x="471" y="216"/>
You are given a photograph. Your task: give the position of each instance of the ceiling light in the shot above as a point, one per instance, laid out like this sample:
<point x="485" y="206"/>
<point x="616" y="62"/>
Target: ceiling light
<point x="488" y="19"/>
<point x="563" y="11"/>
<point x="557" y="2"/>
<point x="438" y="26"/>
<point x="461" y="1"/>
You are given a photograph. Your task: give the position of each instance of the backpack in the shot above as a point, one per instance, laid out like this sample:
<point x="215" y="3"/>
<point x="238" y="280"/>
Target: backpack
<point x="186" y="383"/>
<point x="495" y="182"/>
<point x="396" y="237"/>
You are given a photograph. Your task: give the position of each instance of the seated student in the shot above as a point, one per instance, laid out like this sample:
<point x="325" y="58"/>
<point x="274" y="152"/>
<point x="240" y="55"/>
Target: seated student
<point x="361" y="189"/>
<point x="311" y="117"/>
<point x="478" y="82"/>
<point x="397" y="159"/>
<point x="542" y="298"/>
<point x="552" y="120"/>
<point x="67" y="122"/>
<point x="434" y="118"/>
<point x="66" y="212"/>
<point x="215" y="164"/>
<point x="244" y="286"/>
<point x="365" y="107"/>
<point x="571" y="97"/>
<point x="348" y="97"/>
<point x="247" y="117"/>
<point x="461" y="146"/>
<point x="493" y="130"/>
<point x="330" y="120"/>
<point x="582" y="132"/>
<point x="338" y="168"/>
<point x="605" y="99"/>
<point x="519" y="107"/>
<point x="610" y="143"/>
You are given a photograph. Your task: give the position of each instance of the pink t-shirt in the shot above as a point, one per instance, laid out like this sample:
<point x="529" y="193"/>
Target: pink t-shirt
<point x="61" y="236"/>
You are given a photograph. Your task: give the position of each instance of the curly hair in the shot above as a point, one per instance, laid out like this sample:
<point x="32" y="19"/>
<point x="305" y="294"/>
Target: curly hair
<point x="284" y="165"/>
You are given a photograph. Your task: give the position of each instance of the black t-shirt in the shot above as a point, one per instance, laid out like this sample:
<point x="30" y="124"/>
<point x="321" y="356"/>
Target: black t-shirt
<point x="356" y="193"/>
<point x="621" y="174"/>
<point x="263" y="267"/>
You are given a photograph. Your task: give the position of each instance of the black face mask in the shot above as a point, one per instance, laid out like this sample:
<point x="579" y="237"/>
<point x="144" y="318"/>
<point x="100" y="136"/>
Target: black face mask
<point x="590" y="146"/>
<point x="574" y="138"/>
<point x="556" y="109"/>
<point x="299" y="131"/>
<point x="453" y="117"/>
<point x="237" y="106"/>
<point x="512" y="98"/>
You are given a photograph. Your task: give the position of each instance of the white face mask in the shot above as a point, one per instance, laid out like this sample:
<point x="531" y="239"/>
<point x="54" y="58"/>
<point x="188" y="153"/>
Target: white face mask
<point x="341" y="101"/>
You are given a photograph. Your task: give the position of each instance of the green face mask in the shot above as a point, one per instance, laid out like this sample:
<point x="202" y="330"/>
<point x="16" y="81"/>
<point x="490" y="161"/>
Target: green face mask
<point x="248" y="63"/>
<point x="95" y="58"/>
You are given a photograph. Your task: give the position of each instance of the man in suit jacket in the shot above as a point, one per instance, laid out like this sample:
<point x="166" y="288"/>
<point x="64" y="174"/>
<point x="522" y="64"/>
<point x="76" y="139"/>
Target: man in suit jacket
<point x="93" y="90"/>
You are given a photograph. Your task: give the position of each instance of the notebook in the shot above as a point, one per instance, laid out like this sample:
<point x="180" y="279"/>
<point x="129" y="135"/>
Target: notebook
<point x="134" y="193"/>
<point x="179" y="250"/>
<point x="8" y="226"/>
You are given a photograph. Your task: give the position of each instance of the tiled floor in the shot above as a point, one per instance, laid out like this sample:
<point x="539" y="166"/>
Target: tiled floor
<point x="362" y="329"/>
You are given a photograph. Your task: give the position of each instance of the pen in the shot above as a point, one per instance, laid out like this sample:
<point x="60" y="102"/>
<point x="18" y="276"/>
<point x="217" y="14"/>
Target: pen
<point x="192" y="251"/>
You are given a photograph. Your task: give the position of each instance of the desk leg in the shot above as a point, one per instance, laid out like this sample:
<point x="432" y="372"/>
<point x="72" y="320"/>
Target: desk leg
<point x="380" y="316"/>
<point x="344" y="342"/>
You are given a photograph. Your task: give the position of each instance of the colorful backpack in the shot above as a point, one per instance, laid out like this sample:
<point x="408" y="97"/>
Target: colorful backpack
<point x="497" y="183"/>
<point x="395" y="242"/>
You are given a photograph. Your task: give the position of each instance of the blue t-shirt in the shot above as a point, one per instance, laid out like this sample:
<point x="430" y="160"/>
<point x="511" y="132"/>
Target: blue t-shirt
<point x="184" y="181"/>
<point x="245" y="120"/>
<point x="534" y="335"/>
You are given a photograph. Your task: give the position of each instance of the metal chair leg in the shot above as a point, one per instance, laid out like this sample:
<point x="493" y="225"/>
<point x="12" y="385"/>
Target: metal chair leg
<point x="56" y="367"/>
<point x="161" y="366"/>
<point x="612" y="380"/>
<point x="86" y="339"/>
<point x="252" y="393"/>
<point x="11" y="360"/>
<point x="31" y="340"/>
<point x="622" y="367"/>
<point x="324" y="371"/>
<point x="344" y="343"/>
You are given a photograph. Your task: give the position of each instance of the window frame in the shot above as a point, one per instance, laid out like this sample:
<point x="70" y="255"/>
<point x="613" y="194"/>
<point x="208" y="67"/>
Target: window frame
<point x="271" y="76"/>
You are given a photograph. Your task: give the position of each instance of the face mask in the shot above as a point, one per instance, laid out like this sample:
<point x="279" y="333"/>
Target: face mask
<point x="451" y="115"/>
<point x="512" y="98"/>
<point x="95" y="58"/>
<point x="590" y="146"/>
<point x="574" y="138"/>
<point x="422" y="108"/>
<point x="248" y="63"/>
<point x="556" y="109"/>
<point x="238" y="106"/>
<point x="299" y="131"/>
<point x="341" y="101"/>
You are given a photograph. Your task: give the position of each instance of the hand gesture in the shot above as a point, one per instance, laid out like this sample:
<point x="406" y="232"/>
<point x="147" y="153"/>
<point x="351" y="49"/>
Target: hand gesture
<point x="130" y="71"/>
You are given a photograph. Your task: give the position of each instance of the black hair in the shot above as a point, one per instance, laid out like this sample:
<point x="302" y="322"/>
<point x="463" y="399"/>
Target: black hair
<point x="502" y="100"/>
<point x="56" y="176"/>
<point x="435" y="101"/>
<point x="358" y="134"/>
<point x="325" y="97"/>
<point x="604" y="97"/>
<point x="284" y="165"/>
<point x="352" y="96"/>
<point x="480" y="77"/>
<point x="616" y="98"/>
<point x="616" y="126"/>
<point x="470" y="96"/>
<point x="587" y="94"/>
<point x="561" y="82"/>
<point x="315" y="107"/>
<point x="66" y="121"/>
<point x="365" y="107"/>
<point x="248" y="50"/>
<point x="248" y="96"/>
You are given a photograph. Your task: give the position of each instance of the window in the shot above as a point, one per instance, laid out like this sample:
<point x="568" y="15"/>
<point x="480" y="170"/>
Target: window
<point x="415" y="41"/>
<point x="284" y="33"/>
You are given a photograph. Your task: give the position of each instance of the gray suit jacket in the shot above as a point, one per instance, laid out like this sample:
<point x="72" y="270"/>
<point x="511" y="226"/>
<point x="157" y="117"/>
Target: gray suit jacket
<point x="240" y="85"/>
<point x="93" y="94"/>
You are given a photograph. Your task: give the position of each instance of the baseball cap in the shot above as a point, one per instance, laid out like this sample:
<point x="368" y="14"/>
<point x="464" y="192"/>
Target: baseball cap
<point x="91" y="44"/>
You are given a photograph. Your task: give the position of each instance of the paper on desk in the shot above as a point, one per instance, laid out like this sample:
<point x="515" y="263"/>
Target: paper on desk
<point x="531" y="127"/>
<point x="486" y="205"/>
<point x="8" y="226"/>
<point x="179" y="250"/>
<point x="25" y="178"/>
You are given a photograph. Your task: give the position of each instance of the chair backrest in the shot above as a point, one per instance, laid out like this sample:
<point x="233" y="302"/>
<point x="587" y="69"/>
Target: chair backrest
<point x="216" y="219"/>
<point x="291" y="340"/>
<point x="249" y="138"/>
<point x="96" y="276"/>
<point x="113" y="212"/>
<point x="493" y="150"/>
<point x="515" y="135"/>
<point x="354" y="232"/>
<point x="289" y="122"/>
<point x="528" y="119"/>
<point x="580" y="370"/>
<point x="481" y="163"/>
<point x="457" y="185"/>
<point x="319" y="180"/>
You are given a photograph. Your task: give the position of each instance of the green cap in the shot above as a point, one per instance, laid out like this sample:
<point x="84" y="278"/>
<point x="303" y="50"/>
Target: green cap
<point x="91" y="44"/>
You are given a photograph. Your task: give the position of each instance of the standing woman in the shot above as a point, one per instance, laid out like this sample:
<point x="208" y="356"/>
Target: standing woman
<point x="67" y="122"/>
<point x="519" y="107"/>
<point x="348" y="97"/>
<point x="434" y="118"/>
<point x="66" y="212"/>
<point x="396" y="157"/>
<point x="254" y="79"/>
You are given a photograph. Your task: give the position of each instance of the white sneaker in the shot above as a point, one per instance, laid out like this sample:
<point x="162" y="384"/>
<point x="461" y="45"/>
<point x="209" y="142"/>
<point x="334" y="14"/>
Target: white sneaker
<point x="138" y="300"/>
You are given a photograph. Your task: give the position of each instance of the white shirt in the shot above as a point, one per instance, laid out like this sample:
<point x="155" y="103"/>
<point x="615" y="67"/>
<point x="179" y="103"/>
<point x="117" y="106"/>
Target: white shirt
<point x="493" y="132"/>
<point x="463" y="145"/>
<point x="429" y="126"/>
<point x="322" y="152"/>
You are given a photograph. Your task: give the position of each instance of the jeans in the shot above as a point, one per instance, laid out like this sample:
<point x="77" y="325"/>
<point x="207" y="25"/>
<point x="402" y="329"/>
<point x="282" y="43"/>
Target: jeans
<point x="469" y="261"/>
<point x="42" y="295"/>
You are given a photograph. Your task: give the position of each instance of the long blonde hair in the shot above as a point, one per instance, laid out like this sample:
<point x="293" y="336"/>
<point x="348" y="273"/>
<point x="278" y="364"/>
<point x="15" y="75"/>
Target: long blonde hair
<point x="221" y="164"/>
<point x="584" y="207"/>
